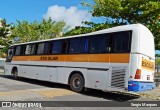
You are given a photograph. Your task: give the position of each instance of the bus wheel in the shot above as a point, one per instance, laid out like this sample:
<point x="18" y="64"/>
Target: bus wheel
<point x="77" y="82"/>
<point x="15" y="73"/>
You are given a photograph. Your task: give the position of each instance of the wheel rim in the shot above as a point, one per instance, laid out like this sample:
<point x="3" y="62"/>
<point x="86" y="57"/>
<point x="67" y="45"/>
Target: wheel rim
<point x="76" y="82"/>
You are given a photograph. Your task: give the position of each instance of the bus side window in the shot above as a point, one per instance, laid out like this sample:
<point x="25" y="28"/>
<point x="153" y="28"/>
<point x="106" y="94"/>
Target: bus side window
<point x="95" y="44"/>
<point x="65" y="46"/>
<point x="126" y="42"/>
<point x="18" y="50"/>
<point x="28" y="49"/>
<point x="121" y="42"/>
<point x="46" y="48"/>
<point x="75" y="44"/>
<point x="33" y="50"/>
<point x="56" y="47"/>
<point x="105" y="46"/>
<point x="23" y="49"/>
<point x="40" y="49"/>
<point x="84" y="45"/>
<point x="110" y="48"/>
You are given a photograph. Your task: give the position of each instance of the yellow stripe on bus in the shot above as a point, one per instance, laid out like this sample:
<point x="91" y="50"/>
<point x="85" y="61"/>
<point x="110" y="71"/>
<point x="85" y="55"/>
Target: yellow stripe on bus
<point x="113" y="58"/>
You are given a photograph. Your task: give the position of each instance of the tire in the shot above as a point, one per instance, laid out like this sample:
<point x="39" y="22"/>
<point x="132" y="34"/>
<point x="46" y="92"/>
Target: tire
<point x="15" y="73"/>
<point x="77" y="83"/>
<point x="157" y="84"/>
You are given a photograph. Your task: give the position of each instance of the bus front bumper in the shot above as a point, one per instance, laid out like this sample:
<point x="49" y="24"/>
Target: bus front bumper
<point x="140" y="86"/>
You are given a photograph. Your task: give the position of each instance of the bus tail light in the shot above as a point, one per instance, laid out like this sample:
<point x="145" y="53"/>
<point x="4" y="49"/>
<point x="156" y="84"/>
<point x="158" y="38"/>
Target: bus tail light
<point x="133" y="84"/>
<point x="138" y="74"/>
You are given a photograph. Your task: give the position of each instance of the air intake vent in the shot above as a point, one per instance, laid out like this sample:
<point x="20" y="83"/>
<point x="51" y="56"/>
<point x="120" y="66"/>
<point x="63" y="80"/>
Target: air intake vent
<point x="118" y="78"/>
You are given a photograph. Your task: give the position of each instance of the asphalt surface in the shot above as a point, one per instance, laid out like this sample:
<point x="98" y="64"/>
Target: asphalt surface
<point x="34" y="90"/>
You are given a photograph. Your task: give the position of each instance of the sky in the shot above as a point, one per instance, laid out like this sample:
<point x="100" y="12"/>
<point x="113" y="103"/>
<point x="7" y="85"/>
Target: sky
<point x="70" y="11"/>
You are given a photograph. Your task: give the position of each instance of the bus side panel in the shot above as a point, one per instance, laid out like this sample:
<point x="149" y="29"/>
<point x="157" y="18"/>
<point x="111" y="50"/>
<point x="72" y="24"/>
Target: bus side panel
<point x="53" y="75"/>
<point x="97" y="78"/>
<point x="40" y="73"/>
<point x="118" y="78"/>
<point x="8" y="68"/>
<point x="28" y="72"/>
<point x="64" y="73"/>
<point x="134" y="65"/>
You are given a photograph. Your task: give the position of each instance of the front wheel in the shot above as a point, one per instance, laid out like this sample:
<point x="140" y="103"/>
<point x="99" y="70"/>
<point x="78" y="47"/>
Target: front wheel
<point x="15" y="73"/>
<point x="77" y="83"/>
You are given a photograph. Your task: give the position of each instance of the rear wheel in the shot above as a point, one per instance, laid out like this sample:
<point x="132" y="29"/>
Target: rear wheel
<point x="77" y="82"/>
<point x="15" y="73"/>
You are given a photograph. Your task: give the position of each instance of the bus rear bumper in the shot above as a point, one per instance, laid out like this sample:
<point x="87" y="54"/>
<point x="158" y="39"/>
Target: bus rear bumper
<point x="140" y="86"/>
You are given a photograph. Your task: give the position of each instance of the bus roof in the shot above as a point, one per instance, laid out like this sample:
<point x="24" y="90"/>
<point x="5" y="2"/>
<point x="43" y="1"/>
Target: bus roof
<point x="113" y="29"/>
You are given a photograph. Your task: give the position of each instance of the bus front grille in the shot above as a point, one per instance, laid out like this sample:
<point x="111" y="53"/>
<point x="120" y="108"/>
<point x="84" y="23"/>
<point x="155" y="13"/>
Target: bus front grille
<point x="118" y="78"/>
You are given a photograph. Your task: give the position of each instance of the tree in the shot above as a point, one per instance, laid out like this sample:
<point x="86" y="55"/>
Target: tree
<point x="49" y="29"/>
<point x="121" y="12"/>
<point x="5" y="36"/>
<point x="91" y="27"/>
<point x="26" y="32"/>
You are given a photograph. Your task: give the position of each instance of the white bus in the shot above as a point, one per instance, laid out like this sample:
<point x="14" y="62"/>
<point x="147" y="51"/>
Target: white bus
<point x="121" y="58"/>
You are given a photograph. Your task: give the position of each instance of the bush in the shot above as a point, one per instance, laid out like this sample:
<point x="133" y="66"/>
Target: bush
<point x="3" y="55"/>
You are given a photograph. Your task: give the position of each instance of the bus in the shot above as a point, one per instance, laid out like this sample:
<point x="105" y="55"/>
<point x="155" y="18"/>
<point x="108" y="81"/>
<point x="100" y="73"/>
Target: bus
<point x="121" y="58"/>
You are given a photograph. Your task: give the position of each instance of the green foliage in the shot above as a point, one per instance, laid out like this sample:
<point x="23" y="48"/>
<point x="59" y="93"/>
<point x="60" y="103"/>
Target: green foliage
<point x="120" y="12"/>
<point x="157" y="61"/>
<point x="91" y="28"/>
<point x="5" y="36"/>
<point x="157" y="55"/>
<point x="131" y="11"/>
<point x="26" y="32"/>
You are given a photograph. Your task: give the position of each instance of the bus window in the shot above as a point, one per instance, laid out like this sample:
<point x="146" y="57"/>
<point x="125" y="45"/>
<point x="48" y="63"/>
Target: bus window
<point x="84" y="45"/>
<point x="56" y="49"/>
<point x="95" y="44"/>
<point x="33" y="50"/>
<point x="46" y="48"/>
<point x="28" y="49"/>
<point x="18" y="50"/>
<point x="65" y="46"/>
<point x="23" y="49"/>
<point x="75" y="45"/>
<point x="50" y="47"/>
<point x="40" y="49"/>
<point x="104" y="43"/>
<point x="121" y="42"/>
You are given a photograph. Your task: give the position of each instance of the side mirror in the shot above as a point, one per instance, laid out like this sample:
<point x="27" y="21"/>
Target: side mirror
<point x="10" y="53"/>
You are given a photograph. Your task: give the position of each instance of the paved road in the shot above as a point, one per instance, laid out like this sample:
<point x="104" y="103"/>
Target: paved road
<point x="34" y="90"/>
